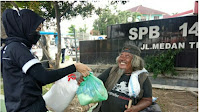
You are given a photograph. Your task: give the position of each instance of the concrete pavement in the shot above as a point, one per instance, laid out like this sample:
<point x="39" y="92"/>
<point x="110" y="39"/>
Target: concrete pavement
<point x="67" y="63"/>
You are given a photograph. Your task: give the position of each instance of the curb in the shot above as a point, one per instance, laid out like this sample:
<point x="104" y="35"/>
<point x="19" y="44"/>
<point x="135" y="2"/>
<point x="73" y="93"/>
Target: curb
<point x="191" y="89"/>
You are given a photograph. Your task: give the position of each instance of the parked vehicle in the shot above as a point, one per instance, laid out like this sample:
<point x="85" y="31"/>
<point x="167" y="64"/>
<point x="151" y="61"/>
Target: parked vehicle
<point x="68" y="51"/>
<point x="73" y="45"/>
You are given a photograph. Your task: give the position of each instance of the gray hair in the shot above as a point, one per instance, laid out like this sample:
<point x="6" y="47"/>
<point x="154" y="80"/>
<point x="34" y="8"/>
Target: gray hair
<point x="137" y="62"/>
<point x="115" y="73"/>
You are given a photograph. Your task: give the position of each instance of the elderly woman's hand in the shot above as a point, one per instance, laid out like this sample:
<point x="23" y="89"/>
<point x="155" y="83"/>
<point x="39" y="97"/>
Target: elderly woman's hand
<point x="83" y="69"/>
<point x="80" y="80"/>
<point x="132" y="109"/>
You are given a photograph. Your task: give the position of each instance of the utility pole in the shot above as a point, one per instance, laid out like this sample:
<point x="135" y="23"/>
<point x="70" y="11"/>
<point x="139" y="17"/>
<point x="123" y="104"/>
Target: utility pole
<point x="75" y="46"/>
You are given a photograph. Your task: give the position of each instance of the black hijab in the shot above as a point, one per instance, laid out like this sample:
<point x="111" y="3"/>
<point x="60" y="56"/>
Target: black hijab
<point x="19" y="26"/>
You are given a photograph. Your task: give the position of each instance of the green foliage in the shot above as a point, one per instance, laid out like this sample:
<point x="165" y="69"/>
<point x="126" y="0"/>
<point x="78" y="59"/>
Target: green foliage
<point x="67" y="58"/>
<point x="1" y="83"/>
<point x="66" y="9"/>
<point x="44" y="9"/>
<point x="95" y="32"/>
<point x="5" y="5"/>
<point x="124" y="15"/>
<point x="107" y="17"/>
<point x="162" y="63"/>
<point x="51" y="10"/>
<point x="84" y="29"/>
<point x="119" y="2"/>
<point x="71" y="29"/>
<point x="46" y="88"/>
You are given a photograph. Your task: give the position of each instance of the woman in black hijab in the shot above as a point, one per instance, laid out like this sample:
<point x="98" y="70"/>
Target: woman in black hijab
<point x="23" y="74"/>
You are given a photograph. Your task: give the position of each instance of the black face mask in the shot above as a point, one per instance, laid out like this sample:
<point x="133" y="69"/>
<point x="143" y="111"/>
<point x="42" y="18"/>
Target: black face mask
<point x="34" y="37"/>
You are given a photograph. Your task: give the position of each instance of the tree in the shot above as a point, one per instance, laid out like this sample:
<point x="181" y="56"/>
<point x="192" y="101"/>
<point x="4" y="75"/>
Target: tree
<point x="174" y="13"/>
<point x="72" y="28"/>
<point x="122" y="16"/>
<point x="5" y="5"/>
<point x="54" y="10"/>
<point x="94" y="32"/>
<point x="84" y="29"/>
<point x="107" y="17"/>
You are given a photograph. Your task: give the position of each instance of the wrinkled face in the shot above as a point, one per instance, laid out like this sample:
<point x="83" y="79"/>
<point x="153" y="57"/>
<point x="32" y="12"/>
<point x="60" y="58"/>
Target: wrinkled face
<point x="124" y="61"/>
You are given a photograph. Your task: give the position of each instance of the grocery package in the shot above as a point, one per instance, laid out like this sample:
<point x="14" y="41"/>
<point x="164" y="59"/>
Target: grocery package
<point x="61" y="93"/>
<point x="91" y="90"/>
<point x="134" y="85"/>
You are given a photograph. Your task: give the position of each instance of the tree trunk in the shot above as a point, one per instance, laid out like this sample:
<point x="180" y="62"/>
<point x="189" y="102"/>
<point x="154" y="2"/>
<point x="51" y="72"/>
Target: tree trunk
<point x="46" y="53"/>
<point x="15" y="5"/>
<point x="59" y="35"/>
<point x="46" y="46"/>
<point x="3" y="33"/>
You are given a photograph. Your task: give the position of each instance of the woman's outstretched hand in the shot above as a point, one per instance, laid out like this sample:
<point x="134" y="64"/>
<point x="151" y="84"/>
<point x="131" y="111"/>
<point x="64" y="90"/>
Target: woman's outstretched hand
<point x="83" y="69"/>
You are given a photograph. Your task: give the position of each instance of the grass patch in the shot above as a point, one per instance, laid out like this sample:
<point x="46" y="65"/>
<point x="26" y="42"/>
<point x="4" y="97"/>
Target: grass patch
<point x="3" y="108"/>
<point x="1" y="83"/>
<point x="66" y="58"/>
<point x="46" y="88"/>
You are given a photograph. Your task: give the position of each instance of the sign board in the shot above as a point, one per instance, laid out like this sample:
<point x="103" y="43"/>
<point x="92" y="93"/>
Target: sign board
<point x="151" y="37"/>
<point x="173" y="33"/>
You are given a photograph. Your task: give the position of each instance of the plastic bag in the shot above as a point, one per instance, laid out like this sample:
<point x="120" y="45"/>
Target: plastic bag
<point x="61" y="93"/>
<point x="91" y="90"/>
<point x="134" y="85"/>
<point x="154" y="99"/>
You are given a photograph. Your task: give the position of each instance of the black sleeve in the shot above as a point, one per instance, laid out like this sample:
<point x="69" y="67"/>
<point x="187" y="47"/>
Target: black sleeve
<point x="147" y="88"/>
<point x="45" y="77"/>
<point x="103" y="76"/>
<point x="21" y="56"/>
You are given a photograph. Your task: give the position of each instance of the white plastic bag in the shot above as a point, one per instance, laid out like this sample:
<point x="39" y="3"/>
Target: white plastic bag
<point x="133" y="85"/>
<point x="61" y="93"/>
